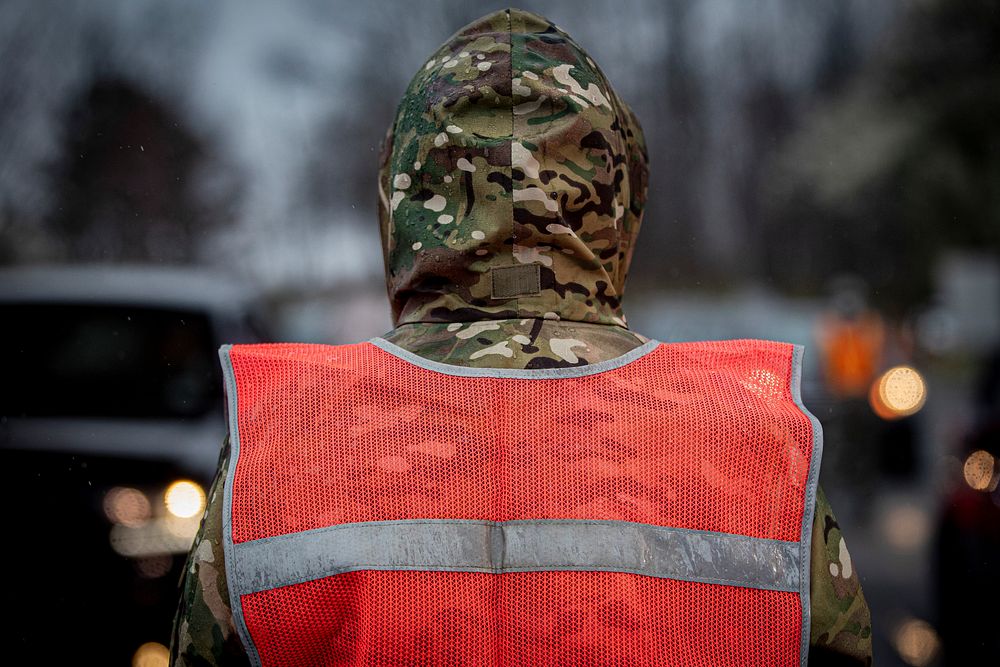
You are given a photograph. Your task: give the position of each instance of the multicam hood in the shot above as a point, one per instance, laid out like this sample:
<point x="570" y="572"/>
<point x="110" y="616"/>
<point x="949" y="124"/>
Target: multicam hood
<point x="511" y="183"/>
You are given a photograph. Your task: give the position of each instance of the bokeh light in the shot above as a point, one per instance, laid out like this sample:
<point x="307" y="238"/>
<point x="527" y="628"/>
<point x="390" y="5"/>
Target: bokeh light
<point x="167" y="535"/>
<point x="898" y="392"/>
<point x="128" y="507"/>
<point x="183" y="528"/>
<point x="916" y="642"/>
<point x="906" y="526"/>
<point x="151" y="654"/>
<point x="979" y="471"/>
<point x="184" y="499"/>
<point x="154" y="567"/>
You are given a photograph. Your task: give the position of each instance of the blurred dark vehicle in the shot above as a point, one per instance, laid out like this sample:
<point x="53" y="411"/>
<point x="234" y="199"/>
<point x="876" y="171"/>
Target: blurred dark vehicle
<point x="111" y="419"/>
<point x="967" y="582"/>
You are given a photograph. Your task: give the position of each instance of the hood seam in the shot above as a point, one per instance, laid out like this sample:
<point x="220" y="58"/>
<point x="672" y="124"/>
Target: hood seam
<point x="510" y="151"/>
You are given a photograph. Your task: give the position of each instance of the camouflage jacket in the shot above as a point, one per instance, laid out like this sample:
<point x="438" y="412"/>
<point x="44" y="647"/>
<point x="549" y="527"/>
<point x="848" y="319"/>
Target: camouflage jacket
<point x="511" y="190"/>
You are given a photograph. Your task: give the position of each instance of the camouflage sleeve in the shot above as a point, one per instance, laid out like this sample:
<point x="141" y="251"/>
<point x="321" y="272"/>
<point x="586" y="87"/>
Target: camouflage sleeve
<point x="841" y="632"/>
<point x="203" y="633"/>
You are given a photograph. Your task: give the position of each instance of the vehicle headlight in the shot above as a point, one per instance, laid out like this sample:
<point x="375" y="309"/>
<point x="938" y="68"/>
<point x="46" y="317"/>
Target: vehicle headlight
<point x="184" y="499"/>
<point x="127" y="506"/>
<point x="151" y="654"/>
<point x="898" y="392"/>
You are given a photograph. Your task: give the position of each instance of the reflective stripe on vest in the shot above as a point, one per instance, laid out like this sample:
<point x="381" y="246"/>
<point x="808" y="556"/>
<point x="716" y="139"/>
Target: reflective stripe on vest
<point x="652" y="509"/>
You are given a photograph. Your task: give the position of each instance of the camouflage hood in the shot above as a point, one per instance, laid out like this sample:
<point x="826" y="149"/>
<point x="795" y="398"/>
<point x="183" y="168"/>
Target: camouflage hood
<point x="511" y="182"/>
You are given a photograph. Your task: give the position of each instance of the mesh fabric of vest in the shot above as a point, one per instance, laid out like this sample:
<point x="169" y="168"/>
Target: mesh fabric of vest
<point x="695" y="435"/>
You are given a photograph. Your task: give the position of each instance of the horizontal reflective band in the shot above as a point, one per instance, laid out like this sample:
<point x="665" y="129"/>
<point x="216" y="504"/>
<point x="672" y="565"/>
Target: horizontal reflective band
<point x="516" y="546"/>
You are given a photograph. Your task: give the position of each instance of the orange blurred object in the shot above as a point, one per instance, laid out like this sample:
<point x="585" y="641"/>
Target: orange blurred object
<point x="851" y="352"/>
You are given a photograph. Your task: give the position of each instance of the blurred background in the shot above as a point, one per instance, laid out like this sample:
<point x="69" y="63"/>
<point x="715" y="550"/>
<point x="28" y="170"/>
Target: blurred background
<point x="175" y="175"/>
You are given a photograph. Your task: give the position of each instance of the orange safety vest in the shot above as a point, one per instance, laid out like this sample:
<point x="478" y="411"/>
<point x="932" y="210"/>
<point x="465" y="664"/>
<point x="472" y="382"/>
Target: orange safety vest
<point x="653" y="509"/>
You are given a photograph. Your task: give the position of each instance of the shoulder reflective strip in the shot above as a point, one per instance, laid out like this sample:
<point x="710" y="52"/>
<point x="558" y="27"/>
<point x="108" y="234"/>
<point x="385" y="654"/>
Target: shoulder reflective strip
<point x="516" y="546"/>
<point x="809" y="508"/>
<point x="229" y="378"/>
<point x="517" y="373"/>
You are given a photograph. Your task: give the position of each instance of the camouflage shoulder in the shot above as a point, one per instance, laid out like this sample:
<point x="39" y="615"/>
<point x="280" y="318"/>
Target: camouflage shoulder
<point x="204" y="634"/>
<point x="841" y="631"/>
<point x="515" y="343"/>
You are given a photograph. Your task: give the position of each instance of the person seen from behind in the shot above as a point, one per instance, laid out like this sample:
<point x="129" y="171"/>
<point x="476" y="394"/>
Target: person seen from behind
<point x="512" y="475"/>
